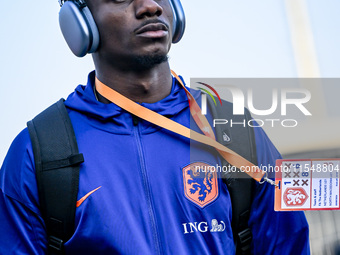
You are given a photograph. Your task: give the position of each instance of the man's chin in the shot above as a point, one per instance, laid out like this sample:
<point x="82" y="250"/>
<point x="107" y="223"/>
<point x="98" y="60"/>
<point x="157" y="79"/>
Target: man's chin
<point x="150" y="61"/>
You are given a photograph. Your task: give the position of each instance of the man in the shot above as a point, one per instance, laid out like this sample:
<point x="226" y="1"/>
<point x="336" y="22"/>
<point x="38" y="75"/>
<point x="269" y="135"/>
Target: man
<point x="134" y="171"/>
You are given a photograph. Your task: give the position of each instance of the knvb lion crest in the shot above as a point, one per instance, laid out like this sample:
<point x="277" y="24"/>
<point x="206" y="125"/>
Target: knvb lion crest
<point x="295" y="196"/>
<point x="200" y="183"/>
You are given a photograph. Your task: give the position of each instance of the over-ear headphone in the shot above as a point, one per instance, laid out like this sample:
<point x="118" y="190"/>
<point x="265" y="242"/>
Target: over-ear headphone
<point x="81" y="33"/>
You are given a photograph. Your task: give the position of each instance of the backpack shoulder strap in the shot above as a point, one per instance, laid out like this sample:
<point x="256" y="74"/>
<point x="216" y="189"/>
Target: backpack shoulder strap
<point x="57" y="162"/>
<point x="238" y="136"/>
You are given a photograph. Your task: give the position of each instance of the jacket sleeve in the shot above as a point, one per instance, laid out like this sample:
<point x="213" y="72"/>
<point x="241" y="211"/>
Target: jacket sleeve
<point x="274" y="232"/>
<point x="22" y="228"/>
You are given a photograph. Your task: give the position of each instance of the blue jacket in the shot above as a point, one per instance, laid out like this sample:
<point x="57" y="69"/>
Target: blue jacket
<point x="146" y="199"/>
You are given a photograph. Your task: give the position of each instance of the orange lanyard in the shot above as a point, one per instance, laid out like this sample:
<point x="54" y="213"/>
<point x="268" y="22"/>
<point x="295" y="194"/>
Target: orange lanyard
<point x="159" y="120"/>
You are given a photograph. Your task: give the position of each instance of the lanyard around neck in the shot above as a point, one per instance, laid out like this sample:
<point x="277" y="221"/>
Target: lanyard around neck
<point x="159" y="120"/>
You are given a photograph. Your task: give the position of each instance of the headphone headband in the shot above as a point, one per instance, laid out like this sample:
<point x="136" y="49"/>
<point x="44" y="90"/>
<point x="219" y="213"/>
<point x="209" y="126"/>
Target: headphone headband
<point x="81" y="3"/>
<point x="61" y="2"/>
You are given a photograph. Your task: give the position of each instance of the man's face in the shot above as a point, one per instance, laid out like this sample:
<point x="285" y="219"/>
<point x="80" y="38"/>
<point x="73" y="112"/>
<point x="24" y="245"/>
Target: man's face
<point x="133" y="29"/>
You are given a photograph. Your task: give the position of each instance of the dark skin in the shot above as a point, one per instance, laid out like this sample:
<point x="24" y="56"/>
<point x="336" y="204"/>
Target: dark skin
<point x="126" y="36"/>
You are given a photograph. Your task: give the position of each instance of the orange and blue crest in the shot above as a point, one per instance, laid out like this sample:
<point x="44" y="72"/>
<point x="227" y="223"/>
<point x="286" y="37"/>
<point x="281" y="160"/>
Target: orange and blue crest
<point x="200" y="183"/>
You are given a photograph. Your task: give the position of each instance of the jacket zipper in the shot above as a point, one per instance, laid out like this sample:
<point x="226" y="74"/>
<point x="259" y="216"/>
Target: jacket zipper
<point x="146" y="185"/>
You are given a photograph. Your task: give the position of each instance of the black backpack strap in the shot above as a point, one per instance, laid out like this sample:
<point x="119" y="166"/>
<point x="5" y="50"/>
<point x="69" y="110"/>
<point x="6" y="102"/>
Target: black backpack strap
<point x="57" y="162"/>
<point x="239" y="137"/>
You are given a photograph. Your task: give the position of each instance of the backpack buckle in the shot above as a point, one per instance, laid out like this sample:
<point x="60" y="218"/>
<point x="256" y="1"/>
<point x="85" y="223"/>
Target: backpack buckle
<point x="55" y="244"/>
<point x="245" y="238"/>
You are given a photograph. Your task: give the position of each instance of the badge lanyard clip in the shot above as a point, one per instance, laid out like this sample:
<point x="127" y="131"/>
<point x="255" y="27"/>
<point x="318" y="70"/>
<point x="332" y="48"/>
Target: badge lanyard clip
<point x="266" y="179"/>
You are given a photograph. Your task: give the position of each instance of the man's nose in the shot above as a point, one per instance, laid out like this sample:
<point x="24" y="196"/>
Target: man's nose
<point x="147" y="8"/>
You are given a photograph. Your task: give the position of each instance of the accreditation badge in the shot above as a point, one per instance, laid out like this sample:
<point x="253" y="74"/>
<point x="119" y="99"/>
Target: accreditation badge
<point x="307" y="184"/>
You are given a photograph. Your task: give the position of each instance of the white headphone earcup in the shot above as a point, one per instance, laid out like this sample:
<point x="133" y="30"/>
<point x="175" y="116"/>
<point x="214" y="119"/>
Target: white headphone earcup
<point x="78" y="28"/>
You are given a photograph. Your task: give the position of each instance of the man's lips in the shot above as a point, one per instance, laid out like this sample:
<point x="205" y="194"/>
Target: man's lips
<point x="153" y="30"/>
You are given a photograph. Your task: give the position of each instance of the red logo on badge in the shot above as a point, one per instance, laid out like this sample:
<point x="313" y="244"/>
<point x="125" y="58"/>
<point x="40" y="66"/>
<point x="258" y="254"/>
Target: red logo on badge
<point x="295" y="196"/>
<point x="200" y="183"/>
